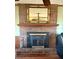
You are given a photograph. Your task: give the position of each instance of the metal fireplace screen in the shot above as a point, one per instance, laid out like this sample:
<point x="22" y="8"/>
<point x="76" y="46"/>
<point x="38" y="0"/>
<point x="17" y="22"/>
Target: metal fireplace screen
<point x="38" y="39"/>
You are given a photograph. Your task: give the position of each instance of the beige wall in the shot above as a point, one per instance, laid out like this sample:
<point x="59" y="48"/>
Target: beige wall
<point x="17" y="33"/>
<point x="60" y="20"/>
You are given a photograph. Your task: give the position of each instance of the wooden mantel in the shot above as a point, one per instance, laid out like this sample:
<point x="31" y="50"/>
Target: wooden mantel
<point x="37" y="25"/>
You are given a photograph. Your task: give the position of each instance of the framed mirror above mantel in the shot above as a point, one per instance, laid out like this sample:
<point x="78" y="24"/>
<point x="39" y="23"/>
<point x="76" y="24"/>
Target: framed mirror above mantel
<point x="37" y="14"/>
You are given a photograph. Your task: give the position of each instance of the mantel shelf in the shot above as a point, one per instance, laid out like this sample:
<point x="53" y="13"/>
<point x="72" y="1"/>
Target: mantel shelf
<point x="37" y="25"/>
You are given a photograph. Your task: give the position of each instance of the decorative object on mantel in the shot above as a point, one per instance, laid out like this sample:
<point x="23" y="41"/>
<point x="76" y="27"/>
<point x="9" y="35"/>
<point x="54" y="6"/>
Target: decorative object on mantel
<point x="37" y="25"/>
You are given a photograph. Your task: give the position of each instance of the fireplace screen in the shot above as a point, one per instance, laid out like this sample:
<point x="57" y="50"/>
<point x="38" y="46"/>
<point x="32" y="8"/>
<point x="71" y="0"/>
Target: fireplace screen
<point x="37" y="42"/>
<point x="37" y="39"/>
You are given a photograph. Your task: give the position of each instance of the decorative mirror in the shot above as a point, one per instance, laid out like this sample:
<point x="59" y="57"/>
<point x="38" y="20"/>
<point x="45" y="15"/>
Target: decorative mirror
<point x="38" y="15"/>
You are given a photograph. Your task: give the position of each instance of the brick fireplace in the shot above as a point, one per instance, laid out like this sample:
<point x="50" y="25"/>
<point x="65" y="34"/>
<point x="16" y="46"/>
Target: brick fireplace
<point x="25" y="27"/>
<point x="51" y="30"/>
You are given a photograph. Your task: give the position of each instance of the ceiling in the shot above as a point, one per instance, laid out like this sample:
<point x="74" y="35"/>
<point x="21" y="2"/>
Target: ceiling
<point x="60" y="2"/>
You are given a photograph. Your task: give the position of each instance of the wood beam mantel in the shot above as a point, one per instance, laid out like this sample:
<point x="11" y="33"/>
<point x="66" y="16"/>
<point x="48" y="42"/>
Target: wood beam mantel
<point x="16" y="0"/>
<point x="46" y="3"/>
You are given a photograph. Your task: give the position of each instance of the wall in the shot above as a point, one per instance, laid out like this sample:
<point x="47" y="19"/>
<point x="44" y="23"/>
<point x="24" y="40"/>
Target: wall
<point x="60" y="20"/>
<point x="17" y="31"/>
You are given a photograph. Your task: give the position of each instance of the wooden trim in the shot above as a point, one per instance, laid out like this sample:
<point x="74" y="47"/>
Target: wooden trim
<point x="37" y="25"/>
<point x="36" y="4"/>
<point x="60" y="5"/>
<point x="16" y="0"/>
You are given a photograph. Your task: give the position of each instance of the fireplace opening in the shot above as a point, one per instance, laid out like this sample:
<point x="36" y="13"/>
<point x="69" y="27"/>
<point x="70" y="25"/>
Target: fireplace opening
<point x="37" y="39"/>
